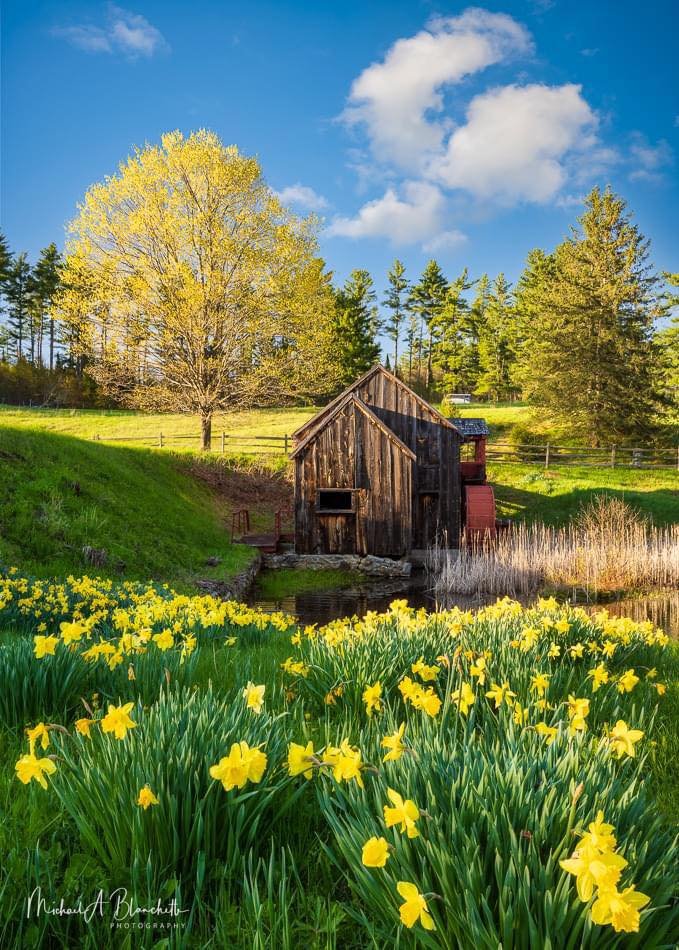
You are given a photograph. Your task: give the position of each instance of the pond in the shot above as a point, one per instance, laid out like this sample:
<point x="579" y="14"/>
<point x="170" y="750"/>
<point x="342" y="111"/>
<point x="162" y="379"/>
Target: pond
<point x="322" y="606"/>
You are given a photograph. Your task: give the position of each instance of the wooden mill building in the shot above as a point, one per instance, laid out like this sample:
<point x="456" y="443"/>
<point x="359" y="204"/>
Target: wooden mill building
<point x="377" y="471"/>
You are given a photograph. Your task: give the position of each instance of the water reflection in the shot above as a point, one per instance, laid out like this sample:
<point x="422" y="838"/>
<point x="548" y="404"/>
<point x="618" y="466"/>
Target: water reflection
<point x="322" y="606"/>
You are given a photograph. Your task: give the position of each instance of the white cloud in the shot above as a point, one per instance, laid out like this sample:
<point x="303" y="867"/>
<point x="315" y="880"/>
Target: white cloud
<point x="413" y="217"/>
<point x="650" y="161"/>
<point x="123" y="32"/>
<point x="303" y="197"/>
<point x="515" y="143"/>
<point x="394" y="98"/>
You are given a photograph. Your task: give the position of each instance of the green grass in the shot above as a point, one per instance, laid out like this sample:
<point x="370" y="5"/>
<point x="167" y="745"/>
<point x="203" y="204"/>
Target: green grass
<point x="555" y="495"/>
<point x="58" y="494"/>
<point x="284" y="582"/>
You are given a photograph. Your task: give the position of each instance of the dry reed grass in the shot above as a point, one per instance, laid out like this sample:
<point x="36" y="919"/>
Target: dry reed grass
<point x="608" y="547"/>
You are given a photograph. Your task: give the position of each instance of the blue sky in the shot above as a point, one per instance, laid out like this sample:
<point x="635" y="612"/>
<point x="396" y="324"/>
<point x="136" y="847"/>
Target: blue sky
<point x="415" y="129"/>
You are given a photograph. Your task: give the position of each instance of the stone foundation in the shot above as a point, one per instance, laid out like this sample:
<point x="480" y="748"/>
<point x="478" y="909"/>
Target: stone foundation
<point x="369" y="565"/>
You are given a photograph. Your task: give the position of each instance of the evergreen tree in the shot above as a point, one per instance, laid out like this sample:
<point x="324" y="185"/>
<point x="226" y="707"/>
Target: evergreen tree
<point x="426" y="300"/>
<point x="589" y="335"/>
<point x="453" y="351"/>
<point x="412" y="331"/>
<point x="18" y="297"/>
<point x="356" y="326"/>
<point x="668" y="341"/>
<point x="496" y="349"/>
<point x="396" y="303"/>
<point x="477" y="323"/>
<point x="46" y="280"/>
<point x="5" y="261"/>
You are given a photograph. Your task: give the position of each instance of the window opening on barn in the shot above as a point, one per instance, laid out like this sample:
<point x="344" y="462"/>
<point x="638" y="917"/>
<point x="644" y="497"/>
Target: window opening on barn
<point x="335" y="499"/>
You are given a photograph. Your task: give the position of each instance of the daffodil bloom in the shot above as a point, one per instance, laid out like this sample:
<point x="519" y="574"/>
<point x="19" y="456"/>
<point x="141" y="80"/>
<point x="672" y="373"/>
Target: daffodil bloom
<point x="464" y="697"/>
<point x="300" y="759"/>
<point x="371" y="698"/>
<point x="554" y="651"/>
<point x="619" y="908"/>
<point x="72" y="632"/>
<point x="240" y="766"/>
<point x="478" y="670"/>
<point x="520" y="714"/>
<point x="146" y="798"/>
<point x="426" y="673"/>
<point x="254" y="697"/>
<point x="577" y="650"/>
<point x="599" y="835"/>
<point x="578" y="710"/>
<point x="345" y="762"/>
<point x="83" y="727"/>
<point x="375" y="853"/>
<point x="539" y="683"/>
<point x="394" y="743"/>
<point x="164" y="640"/>
<point x="623" y="739"/>
<point x="428" y="701"/>
<point x="117" y="720"/>
<point x="414" y="908"/>
<point x="404" y="813"/>
<point x="38" y="732"/>
<point x="660" y="688"/>
<point x="44" y="646"/>
<point x="593" y="869"/>
<point x="296" y="668"/>
<point x="29" y="767"/>
<point x="500" y="694"/>
<point x="627" y="681"/>
<point x="599" y="675"/>
<point x="549" y="732"/>
<point x="562" y="626"/>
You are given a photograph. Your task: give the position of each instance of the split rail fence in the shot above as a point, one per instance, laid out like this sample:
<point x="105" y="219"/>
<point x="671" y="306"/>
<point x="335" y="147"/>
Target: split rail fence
<point x="503" y="452"/>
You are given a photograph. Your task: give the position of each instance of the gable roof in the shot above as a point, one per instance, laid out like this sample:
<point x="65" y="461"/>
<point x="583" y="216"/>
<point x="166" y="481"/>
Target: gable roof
<point x="470" y="427"/>
<point x="377" y="368"/>
<point x="337" y="407"/>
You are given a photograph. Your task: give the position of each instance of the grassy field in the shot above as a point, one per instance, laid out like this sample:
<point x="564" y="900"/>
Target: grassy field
<point x="503" y="419"/>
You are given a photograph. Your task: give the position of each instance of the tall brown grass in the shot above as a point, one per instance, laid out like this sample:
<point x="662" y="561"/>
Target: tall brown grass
<point x="608" y="547"/>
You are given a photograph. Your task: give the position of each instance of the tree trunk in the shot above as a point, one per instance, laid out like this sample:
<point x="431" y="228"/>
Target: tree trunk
<point x="206" y="431"/>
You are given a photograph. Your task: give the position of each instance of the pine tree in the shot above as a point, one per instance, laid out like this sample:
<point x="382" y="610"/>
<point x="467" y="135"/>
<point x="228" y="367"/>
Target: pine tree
<point x="453" y="351"/>
<point x="426" y="300"/>
<point x="5" y="260"/>
<point x="396" y="302"/>
<point x="356" y="326"/>
<point x="668" y="341"/>
<point x="593" y="362"/>
<point x="496" y="342"/>
<point x="18" y="297"/>
<point x="46" y="280"/>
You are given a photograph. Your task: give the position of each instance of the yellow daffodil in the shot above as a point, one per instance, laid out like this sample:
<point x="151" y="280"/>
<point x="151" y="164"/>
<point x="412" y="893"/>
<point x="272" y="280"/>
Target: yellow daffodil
<point x="117" y="720"/>
<point x="426" y="673"/>
<point x="375" y="853"/>
<point x="500" y="694"/>
<point x="345" y="761"/>
<point x="539" y="683"/>
<point x="578" y="710"/>
<point x="29" y="767"/>
<point x="146" y="798"/>
<point x="164" y="640"/>
<point x="40" y="733"/>
<point x="623" y="739"/>
<point x="464" y="698"/>
<point x="300" y="759"/>
<point x="627" y="681"/>
<point x="44" y="646"/>
<point x="478" y="670"/>
<point x="371" y="698"/>
<point x="404" y="813"/>
<point x="554" y="651"/>
<point x="549" y="732"/>
<point x="619" y="908"/>
<point x="394" y="743"/>
<point x="254" y="697"/>
<point x="83" y="726"/>
<point x="593" y="869"/>
<point x="240" y="766"/>
<point x="414" y="908"/>
<point x="599" y="835"/>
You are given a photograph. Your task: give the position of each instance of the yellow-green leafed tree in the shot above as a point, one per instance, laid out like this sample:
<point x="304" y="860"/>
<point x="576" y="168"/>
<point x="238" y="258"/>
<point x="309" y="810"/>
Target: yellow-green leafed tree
<point x="202" y="291"/>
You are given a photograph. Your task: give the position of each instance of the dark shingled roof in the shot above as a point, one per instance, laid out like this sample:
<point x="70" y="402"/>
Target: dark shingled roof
<point x="470" y="427"/>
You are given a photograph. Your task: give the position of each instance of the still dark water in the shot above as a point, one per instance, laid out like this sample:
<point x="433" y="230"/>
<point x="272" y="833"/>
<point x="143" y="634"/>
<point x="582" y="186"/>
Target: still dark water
<point x="322" y="606"/>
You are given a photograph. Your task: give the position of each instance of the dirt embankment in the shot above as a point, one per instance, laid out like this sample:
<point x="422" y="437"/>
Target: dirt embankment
<point x="254" y="487"/>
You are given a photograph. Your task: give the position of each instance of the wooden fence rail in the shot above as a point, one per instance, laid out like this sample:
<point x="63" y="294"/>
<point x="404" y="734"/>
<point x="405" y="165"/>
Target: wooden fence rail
<point x="613" y="456"/>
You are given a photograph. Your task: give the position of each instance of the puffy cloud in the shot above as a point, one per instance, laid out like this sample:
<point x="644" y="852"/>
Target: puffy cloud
<point x="123" y="32"/>
<point x="394" y="97"/>
<point x="414" y="217"/>
<point x="303" y="197"/>
<point x="516" y="141"/>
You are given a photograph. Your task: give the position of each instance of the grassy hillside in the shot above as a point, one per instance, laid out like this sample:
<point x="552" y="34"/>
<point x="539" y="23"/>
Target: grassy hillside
<point x="554" y="496"/>
<point x="58" y="494"/>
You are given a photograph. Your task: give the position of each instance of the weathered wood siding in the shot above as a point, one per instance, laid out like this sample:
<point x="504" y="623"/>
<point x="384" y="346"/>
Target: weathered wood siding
<point x="436" y="486"/>
<point x="350" y="451"/>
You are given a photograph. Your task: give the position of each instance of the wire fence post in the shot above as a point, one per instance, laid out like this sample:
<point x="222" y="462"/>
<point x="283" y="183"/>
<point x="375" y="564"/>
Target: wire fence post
<point x="547" y="455"/>
<point x="613" y="456"/>
<point x="223" y="442"/>
<point x="160" y="440"/>
<point x="286" y="444"/>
